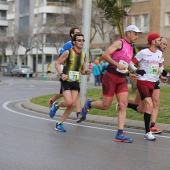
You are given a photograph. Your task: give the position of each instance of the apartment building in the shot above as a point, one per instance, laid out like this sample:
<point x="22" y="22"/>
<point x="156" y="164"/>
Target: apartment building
<point x="3" y="27"/>
<point x="50" y="21"/>
<point x="39" y="23"/>
<point x="151" y="16"/>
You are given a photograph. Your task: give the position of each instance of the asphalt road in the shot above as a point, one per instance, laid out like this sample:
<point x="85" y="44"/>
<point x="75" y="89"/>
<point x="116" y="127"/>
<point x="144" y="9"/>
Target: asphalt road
<point x="28" y="140"/>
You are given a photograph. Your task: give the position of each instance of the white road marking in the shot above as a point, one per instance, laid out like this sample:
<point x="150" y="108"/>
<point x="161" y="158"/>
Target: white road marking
<point x="73" y="124"/>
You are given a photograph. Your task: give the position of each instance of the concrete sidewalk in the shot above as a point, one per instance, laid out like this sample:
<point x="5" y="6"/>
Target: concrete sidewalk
<point x="93" y="118"/>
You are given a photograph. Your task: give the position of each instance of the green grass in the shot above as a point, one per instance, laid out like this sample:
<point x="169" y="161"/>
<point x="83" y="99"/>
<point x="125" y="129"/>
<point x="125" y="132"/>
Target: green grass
<point x="96" y="94"/>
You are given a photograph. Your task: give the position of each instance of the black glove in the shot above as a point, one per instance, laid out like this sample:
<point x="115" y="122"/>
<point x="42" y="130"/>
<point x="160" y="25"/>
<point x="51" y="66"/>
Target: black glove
<point x="164" y="73"/>
<point x="141" y="72"/>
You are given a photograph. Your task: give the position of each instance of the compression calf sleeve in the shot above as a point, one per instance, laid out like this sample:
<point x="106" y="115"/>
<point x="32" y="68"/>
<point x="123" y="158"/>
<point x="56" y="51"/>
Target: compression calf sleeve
<point x="132" y="106"/>
<point x="147" y="118"/>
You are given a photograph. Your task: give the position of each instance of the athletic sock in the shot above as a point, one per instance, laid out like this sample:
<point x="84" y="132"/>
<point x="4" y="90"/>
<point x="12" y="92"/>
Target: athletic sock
<point x="147" y="118"/>
<point x="132" y="106"/>
<point x="152" y="124"/>
<point x="78" y="113"/>
<point x="59" y="123"/>
<point x="120" y="131"/>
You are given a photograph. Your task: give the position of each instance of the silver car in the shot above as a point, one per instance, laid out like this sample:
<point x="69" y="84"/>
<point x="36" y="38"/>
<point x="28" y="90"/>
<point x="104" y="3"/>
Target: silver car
<point x="21" y="71"/>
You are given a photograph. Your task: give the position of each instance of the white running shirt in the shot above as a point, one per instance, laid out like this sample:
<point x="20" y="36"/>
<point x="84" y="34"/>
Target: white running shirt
<point x="149" y="61"/>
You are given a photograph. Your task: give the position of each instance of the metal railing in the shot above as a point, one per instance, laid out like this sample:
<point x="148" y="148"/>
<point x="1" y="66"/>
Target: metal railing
<point x="57" y="4"/>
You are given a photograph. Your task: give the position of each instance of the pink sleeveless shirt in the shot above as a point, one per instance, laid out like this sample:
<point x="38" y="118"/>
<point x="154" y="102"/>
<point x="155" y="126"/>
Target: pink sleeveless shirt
<point x="125" y="54"/>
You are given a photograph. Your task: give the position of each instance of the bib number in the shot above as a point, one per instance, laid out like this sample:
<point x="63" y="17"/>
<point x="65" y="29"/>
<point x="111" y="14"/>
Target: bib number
<point x="74" y="75"/>
<point x="123" y="63"/>
<point x="153" y="71"/>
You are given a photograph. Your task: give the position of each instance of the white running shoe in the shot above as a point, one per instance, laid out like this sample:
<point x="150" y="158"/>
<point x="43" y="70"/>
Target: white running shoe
<point x="149" y="136"/>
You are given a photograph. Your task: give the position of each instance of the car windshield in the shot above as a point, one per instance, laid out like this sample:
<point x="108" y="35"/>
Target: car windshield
<point x="24" y="66"/>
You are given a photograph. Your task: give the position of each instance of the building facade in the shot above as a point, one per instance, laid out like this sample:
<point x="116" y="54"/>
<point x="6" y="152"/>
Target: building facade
<point x="3" y="27"/>
<point x="151" y="16"/>
<point x="47" y="24"/>
<point x="40" y="27"/>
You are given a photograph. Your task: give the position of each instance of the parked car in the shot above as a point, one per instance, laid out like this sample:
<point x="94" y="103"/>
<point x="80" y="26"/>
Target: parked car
<point x="21" y="71"/>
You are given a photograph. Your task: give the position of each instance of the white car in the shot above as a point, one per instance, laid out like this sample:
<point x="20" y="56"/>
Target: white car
<point x="21" y="71"/>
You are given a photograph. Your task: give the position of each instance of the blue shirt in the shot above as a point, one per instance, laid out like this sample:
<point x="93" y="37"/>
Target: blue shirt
<point x="66" y="46"/>
<point x="95" y="70"/>
<point x="103" y="66"/>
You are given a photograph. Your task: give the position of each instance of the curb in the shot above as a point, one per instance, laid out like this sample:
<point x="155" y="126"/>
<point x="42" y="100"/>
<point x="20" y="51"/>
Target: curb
<point x="112" y="121"/>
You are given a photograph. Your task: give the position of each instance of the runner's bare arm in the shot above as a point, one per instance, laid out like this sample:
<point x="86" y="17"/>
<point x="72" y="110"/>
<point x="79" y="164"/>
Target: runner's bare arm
<point x="107" y="54"/>
<point x="60" y="61"/>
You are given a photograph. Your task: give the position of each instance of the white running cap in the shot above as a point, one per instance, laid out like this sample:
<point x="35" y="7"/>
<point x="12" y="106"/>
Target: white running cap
<point x="133" y="28"/>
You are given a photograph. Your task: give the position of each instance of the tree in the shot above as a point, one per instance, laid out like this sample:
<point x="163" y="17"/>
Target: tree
<point x="3" y="46"/>
<point x="100" y="25"/>
<point x="13" y="44"/>
<point x="114" y="11"/>
<point x="27" y="40"/>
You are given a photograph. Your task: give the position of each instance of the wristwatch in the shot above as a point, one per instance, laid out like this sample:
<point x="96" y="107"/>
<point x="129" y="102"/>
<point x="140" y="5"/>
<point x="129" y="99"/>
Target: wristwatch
<point x="61" y="74"/>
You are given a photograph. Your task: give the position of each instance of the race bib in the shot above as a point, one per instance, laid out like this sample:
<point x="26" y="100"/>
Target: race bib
<point x="123" y="63"/>
<point x="74" y="75"/>
<point x="153" y="71"/>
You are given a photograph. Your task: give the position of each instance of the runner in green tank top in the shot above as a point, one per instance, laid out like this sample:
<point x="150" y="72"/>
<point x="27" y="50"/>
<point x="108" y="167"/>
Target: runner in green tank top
<point x="74" y="64"/>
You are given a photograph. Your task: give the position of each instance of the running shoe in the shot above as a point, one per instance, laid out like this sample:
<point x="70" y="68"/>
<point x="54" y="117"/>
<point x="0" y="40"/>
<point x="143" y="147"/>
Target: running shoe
<point x="78" y="115"/>
<point x="155" y="130"/>
<point x="86" y="107"/>
<point x="53" y="109"/>
<point x="149" y="136"/>
<point x="84" y="111"/>
<point x="122" y="138"/>
<point x="81" y="118"/>
<point x="60" y="127"/>
<point x="50" y="102"/>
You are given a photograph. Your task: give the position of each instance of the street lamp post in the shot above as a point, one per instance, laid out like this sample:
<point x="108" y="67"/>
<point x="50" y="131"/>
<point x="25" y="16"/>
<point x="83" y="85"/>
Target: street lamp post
<point x="86" y="25"/>
<point x="36" y="60"/>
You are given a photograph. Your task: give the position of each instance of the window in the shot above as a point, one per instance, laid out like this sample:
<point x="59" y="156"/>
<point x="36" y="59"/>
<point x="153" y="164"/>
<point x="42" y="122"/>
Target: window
<point x="48" y="58"/>
<point x="3" y="15"/>
<point x="145" y="23"/>
<point x="23" y="22"/>
<point x="39" y="59"/>
<point x="135" y="20"/>
<point x="141" y="21"/>
<point x="167" y="18"/>
<point x="24" y="6"/>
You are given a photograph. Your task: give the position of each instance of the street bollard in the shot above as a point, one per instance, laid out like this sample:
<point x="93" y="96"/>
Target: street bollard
<point x="44" y="76"/>
<point x="28" y="76"/>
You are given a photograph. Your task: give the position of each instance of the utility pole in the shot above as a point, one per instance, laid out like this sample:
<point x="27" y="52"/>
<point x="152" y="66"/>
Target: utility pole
<point x="36" y="59"/>
<point x="86" y="25"/>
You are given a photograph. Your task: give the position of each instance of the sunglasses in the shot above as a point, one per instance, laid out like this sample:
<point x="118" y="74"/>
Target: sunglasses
<point x="77" y="33"/>
<point x="80" y="40"/>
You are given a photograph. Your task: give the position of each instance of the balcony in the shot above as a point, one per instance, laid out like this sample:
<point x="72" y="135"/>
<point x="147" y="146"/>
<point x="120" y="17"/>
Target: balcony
<point x="3" y="21"/>
<point x="3" y="5"/>
<point x="53" y="7"/>
<point x="10" y="16"/>
<point x="57" y="4"/>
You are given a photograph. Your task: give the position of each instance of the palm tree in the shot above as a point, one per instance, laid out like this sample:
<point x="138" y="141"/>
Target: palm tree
<point x="114" y="11"/>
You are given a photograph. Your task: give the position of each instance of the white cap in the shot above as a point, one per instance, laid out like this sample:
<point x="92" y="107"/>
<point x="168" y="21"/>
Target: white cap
<point x="132" y="28"/>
